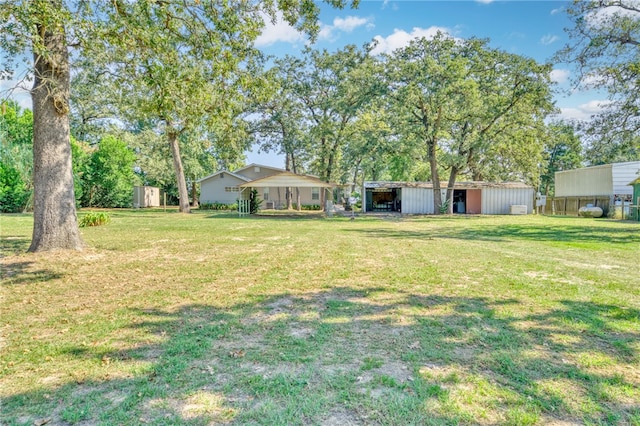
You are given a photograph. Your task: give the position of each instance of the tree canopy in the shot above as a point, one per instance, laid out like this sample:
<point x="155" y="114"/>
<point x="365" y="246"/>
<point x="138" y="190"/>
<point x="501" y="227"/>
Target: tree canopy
<point x="605" y="47"/>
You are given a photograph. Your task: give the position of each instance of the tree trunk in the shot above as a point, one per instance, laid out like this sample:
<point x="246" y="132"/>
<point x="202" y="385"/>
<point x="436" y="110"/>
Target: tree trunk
<point x="289" y="192"/>
<point x="435" y="178"/>
<point x="55" y="224"/>
<point x="183" y="195"/>
<point x="194" y="195"/>
<point x="452" y="181"/>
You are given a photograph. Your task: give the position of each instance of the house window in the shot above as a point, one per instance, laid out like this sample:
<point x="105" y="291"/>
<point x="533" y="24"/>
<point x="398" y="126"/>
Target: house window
<point x="221" y="175"/>
<point x="265" y="194"/>
<point x="230" y="189"/>
<point x="256" y="169"/>
<point x="315" y="193"/>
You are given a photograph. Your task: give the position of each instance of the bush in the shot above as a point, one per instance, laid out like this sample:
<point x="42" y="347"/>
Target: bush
<point x="254" y="201"/>
<point x="308" y="207"/>
<point x="218" y="206"/>
<point x="13" y="192"/>
<point x="94" y="219"/>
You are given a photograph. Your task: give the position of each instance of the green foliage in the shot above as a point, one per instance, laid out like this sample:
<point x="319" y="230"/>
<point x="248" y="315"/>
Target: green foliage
<point x="94" y="219"/>
<point x="16" y="124"/>
<point x="81" y="164"/>
<point x="13" y="192"/>
<point x="16" y="138"/>
<point x="254" y="201"/>
<point x="563" y="151"/>
<point x="307" y="207"/>
<point x="218" y="206"/>
<point x="111" y="176"/>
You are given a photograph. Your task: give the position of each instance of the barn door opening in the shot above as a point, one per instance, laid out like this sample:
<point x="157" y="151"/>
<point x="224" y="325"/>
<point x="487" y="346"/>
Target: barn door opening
<point x="384" y="200"/>
<point x="459" y="201"/>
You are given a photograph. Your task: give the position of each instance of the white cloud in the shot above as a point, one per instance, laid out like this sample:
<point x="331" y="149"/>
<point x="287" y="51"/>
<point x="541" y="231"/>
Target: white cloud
<point x="584" y="111"/>
<point x="401" y="38"/>
<point x="560" y="76"/>
<point x="346" y="25"/>
<point x="281" y="31"/>
<point x="549" y="39"/>
<point x="594" y="80"/>
<point x="385" y="3"/>
<point x="556" y="11"/>
<point x="484" y="1"/>
<point x="349" y="23"/>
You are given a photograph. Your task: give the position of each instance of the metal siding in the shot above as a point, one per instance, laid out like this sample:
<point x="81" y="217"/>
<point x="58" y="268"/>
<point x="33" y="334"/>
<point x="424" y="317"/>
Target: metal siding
<point x="622" y="175"/>
<point x="590" y="181"/>
<point x="417" y="201"/>
<point x="499" y="200"/>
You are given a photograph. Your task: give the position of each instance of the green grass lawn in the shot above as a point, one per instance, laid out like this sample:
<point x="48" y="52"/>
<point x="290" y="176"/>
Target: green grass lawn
<point x="212" y="319"/>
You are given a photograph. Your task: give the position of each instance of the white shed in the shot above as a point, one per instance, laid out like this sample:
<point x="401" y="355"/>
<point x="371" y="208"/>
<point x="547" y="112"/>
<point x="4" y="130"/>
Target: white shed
<point x="468" y="197"/>
<point x="146" y="196"/>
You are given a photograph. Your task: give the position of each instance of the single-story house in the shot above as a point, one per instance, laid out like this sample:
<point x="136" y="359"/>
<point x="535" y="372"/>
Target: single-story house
<point x="468" y="197"/>
<point x="602" y="186"/>
<point x="227" y="187"/>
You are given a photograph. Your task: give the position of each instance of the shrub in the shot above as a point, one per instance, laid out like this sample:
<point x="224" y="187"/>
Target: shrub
<point x="254" y="201"/>
<point x="307" y="207"/>
<point x="13" y="192"/>
<point x="95" y="219"/>
<point x="218" y="206"/>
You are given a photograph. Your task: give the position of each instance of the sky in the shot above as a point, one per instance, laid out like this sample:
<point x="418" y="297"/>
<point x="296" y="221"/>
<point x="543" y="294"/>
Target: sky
<point x="535" y="29"/>
<point x="530" y="28"/>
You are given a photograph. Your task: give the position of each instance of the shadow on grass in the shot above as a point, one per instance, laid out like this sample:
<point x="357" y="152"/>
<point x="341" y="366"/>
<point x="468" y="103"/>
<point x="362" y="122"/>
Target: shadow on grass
<point x="274" y="215"/>
<point x="353" y="356"/>
<point x="22" y="272"/>
<point x="11" y="245"/>
<point x="535" y="232"/>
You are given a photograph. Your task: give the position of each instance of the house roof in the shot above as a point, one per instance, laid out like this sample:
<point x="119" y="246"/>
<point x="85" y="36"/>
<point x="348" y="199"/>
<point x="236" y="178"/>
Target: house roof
<point x="457" y="185"/>
<point x="241" y="169"/>
<point x="286" y="179"/>
<point x="224" y="171"/>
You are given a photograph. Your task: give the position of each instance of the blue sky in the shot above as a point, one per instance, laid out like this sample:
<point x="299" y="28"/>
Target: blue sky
<point x="529" y="28"/>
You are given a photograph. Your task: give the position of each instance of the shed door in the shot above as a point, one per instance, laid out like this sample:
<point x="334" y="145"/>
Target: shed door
<point x="474" y="201"/>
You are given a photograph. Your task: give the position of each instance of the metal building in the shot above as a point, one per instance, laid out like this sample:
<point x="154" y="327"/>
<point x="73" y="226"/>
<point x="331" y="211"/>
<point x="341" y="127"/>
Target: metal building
<point x="468" y="197"/>
<point x="602" y="186"/>
<point x="611" y="180"/>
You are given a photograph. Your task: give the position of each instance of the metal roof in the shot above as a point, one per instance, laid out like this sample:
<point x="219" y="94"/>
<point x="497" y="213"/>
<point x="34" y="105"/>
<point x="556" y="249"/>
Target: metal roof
<point x="286" y="179"/>
<point x="457" y="185"/>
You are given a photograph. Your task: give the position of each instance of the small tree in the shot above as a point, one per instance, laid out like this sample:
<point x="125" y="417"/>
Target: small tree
<point x="110" y="183"/>
<point x="254" y="201"/>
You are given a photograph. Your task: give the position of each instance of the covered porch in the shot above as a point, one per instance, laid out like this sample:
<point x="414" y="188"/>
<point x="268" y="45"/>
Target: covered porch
<point x="294" y="185"/>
